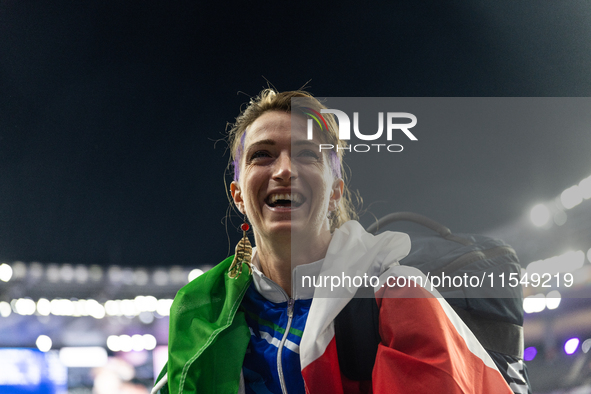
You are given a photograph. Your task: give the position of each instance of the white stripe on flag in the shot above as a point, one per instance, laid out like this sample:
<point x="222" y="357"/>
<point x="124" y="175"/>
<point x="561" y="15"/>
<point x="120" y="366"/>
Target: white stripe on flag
<point x="354" y="251"/>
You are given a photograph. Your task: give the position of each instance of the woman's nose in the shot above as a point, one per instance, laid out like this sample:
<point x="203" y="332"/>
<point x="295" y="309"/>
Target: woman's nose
<point x="283" y="168"/>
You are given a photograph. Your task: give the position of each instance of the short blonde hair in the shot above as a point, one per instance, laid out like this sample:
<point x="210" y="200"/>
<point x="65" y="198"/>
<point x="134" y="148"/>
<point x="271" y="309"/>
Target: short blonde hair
<point x="271" y="100"/>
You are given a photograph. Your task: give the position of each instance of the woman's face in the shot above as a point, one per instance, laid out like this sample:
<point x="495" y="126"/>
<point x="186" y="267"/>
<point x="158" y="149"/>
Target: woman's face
<point x="286" y="185"/>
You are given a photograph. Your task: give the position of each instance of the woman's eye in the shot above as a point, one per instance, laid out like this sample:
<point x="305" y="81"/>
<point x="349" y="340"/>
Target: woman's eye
<point x="259" y="154"/>
<point x="308" y="153"/>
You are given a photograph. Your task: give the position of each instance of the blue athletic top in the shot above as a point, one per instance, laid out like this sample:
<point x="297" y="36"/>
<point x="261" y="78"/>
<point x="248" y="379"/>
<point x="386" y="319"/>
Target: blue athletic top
<point x="268" y="309"/>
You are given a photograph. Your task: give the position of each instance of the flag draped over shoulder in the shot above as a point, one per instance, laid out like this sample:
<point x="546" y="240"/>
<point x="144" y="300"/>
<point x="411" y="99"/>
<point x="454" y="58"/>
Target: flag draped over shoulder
<point x="425" y="346"/>
<point x="208" y="334"/>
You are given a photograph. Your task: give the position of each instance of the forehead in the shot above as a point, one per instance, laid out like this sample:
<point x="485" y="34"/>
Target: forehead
<point x="278" y="125"/>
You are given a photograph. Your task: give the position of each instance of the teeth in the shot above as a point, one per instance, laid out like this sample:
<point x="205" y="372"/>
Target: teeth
<point x="293" y="197"/>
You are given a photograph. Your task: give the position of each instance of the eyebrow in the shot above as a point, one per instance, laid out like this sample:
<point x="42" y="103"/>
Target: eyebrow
<point x="262" y="142"/>
<point x="304" y="142"/>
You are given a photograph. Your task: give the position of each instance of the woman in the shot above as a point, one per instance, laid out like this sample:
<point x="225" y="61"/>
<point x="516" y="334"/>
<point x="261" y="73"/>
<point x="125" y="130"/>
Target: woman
<point x="266" y="331"/>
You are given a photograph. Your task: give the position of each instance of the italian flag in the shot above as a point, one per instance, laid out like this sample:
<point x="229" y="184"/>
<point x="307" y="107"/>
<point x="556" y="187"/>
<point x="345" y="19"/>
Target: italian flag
<point x="425" y="347"/>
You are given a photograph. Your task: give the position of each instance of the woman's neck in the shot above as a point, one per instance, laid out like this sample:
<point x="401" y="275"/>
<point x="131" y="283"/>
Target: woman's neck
<point x="277" y="260"/>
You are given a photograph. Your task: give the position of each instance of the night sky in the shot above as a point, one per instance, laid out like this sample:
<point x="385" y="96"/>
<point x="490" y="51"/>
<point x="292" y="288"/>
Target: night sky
<point x="112" y="114"/>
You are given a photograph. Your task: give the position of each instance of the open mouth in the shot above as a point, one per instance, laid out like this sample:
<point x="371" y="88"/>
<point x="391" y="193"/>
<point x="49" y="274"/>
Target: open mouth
<point x="292" y="200"/>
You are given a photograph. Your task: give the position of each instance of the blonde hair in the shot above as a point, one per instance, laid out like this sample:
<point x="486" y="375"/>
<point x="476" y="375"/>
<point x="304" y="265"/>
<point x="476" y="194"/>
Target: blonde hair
<point x="271" y="100"/>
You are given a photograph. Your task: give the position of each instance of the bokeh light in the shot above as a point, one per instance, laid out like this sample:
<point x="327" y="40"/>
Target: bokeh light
<point x="43" y="343"/>
<point x="194" y="274"/>
<point x="539" y="215"/>
<point x="553" y="299"/>
<point x="5" y="272"/>
<point x="571" y="345"/>
<point x="530" y="353"/>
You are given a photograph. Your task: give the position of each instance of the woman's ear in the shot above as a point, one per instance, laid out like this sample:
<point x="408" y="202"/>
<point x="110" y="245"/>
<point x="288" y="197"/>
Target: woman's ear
<point x="237" y="196"/>
<point x="336" y="193"/>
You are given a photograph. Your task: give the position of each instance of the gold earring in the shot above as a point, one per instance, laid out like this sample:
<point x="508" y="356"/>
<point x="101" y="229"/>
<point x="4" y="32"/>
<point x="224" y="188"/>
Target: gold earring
<point x="243" y="254"/>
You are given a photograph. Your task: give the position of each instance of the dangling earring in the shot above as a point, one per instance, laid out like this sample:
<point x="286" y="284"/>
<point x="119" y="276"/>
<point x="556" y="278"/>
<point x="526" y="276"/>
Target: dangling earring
<point x="243" y="254"/>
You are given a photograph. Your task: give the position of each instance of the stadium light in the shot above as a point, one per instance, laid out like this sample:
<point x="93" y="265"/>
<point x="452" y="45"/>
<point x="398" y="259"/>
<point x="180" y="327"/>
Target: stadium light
<point x="534" y="304"/>
<point x="81" y="273"/>
<point x="539" y="215"/>
<point x="530" y="353"/>
<point x="585" y="188"/>
<point x="43" y="343"/>
<point x="43" y="307"/>
<point x="571" y="345"/>
<point x="5" y="309"/>
<point x="566" y="262"/>
<point x="83" y="357"/>
<point x="126" y="343"/>
<point x="5" y="272"/>
<point x="114" y="343"/>
<point x="553" y="299"/>
<point x="571" y="197"/>
<point x="194" y="274"/>
<point x="25" y="306"/>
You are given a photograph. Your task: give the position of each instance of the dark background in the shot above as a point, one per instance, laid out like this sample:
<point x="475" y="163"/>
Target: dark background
<point x="111" y="113"/>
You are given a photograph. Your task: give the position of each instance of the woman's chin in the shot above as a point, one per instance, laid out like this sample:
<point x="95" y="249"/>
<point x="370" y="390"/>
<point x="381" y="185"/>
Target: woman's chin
<point x="289" y="228"/>
<point x="279" y="223"/>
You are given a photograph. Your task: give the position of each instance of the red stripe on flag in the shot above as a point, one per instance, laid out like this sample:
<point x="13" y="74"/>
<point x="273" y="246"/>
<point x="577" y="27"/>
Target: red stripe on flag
<point x="422" y="352"/>
<point x="323" y="375"/>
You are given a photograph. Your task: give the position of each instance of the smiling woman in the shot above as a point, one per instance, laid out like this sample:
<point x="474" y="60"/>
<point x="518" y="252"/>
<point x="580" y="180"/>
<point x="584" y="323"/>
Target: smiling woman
<point x="270" y="101"/>
<point x="260" y="330"/>
<point x="287" y="191"/>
